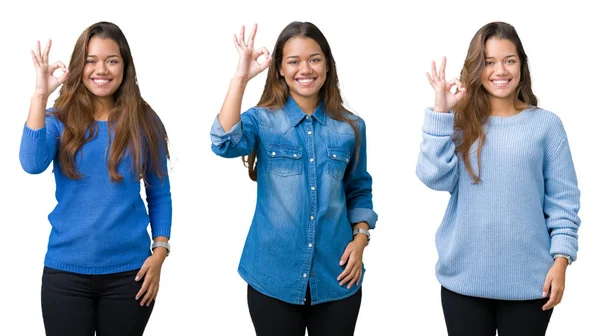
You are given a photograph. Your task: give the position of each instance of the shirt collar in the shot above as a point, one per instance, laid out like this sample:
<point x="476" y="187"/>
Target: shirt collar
<point x="296" y="114"/>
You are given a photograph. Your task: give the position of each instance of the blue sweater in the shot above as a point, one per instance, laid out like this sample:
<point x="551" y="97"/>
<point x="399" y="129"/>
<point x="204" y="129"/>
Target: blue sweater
<point x="98" y="226"/>
<point x="498" y="237"/>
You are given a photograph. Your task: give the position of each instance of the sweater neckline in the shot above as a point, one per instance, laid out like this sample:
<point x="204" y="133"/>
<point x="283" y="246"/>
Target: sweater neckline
<point x="512" y="119"/>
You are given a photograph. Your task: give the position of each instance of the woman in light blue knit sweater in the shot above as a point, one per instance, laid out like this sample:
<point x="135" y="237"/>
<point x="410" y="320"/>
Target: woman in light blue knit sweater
<point x="510" y="228"/>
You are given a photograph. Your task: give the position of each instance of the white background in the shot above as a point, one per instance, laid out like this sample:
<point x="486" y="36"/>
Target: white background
<point x="184" y="56"/>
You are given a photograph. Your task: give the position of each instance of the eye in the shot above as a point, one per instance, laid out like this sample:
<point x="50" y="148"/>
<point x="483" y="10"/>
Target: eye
<point x="293" y="62"/>
<point x="489" y="63"/>
<point x="315" y="60"/>
<point x="113" y="61"/>
<point x="90" y="61"/>
<point x="510" y="61"/>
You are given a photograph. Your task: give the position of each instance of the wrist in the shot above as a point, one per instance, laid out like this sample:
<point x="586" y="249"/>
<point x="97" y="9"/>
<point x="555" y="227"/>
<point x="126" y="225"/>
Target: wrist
<point x="562" y="259"/>
<point x="239" y="80"/>
<point x="40" y="97"/>
<point x="362" y="236"/>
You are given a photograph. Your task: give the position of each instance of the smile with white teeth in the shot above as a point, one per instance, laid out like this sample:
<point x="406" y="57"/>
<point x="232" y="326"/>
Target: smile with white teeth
<point x="500" y="83"/>
<point x="100" y="82"/>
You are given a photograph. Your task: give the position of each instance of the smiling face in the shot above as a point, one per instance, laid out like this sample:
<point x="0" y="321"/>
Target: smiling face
<point x="103" y="70"/>
<point x="304" y="68"/>
<point x="502" y="73"/>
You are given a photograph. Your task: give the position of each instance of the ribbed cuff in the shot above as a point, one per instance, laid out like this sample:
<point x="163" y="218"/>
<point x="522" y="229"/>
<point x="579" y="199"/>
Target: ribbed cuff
<point x="438" y="123"/>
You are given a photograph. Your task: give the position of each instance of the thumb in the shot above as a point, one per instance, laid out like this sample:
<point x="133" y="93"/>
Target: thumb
<point x="346" y="255"/>
<point x="140" y="274"/>
<point x="547" y="284"/>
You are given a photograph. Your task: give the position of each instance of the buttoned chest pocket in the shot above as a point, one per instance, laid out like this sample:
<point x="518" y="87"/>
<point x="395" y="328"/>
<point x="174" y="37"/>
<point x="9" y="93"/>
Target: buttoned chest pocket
<point x="284" y="160"/>
<point x="337" y="162"/>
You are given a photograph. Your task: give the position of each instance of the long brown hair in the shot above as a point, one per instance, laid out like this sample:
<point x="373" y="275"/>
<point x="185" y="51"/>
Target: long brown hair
<point x="276" y="91"/>
<point x="138" y="130"/>
<point x="472" y="112"/>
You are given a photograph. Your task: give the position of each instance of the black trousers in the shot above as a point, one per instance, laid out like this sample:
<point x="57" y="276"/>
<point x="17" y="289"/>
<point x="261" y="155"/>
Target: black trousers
<point x="272" y="317"/>
<point x="79" y="305"/>
<point x="473" y="316"/>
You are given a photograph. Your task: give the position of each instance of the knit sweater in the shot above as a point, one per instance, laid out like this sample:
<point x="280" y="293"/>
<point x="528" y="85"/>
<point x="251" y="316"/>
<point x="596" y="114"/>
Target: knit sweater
<point x="498" y="237"/>
<point x="98" y="226"/>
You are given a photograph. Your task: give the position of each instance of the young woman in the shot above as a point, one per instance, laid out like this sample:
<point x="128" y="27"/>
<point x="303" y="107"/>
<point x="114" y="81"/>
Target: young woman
<point x="510" y="229"/>
<point x="303" y="255"/>
<point x="102" y="138"/>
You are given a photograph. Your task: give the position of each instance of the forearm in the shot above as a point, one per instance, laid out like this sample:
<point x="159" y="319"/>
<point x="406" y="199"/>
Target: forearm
<point x="37" y="112"/>
<point x="232" y="106"/>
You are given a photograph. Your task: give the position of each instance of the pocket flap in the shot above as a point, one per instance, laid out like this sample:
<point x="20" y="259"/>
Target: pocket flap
<point x="285" y="151"/>
<point x="338" y="154"/>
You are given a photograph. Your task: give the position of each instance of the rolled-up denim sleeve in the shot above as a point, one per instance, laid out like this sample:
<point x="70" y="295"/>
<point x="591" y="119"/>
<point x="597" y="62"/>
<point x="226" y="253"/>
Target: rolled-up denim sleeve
<point x="240" y="140"/>
<point x="358" y="185"/>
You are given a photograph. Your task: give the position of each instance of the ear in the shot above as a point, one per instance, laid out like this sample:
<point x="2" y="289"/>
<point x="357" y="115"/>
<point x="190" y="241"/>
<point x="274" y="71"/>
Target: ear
<point x="281" y="72"/>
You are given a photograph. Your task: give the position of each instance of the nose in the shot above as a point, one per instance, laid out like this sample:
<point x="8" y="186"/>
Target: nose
<point x="305" y="68"/>
<point x="500" y="68"/>
<point x="101" y="68"/>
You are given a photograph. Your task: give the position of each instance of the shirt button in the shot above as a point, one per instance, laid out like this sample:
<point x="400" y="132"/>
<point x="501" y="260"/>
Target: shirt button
<point x="334" y="155"/>
<point x="309" y="244"/>
<point x="309" y="132"/>
<point x="312" y="160"/>
<point x="304" y="275"/>
<point x="312" y="188"/>
<point x="307" y="117"/>
<point x="273" y="154"/>
<point x="295" y="155"/>
<point x="312" y="217"/>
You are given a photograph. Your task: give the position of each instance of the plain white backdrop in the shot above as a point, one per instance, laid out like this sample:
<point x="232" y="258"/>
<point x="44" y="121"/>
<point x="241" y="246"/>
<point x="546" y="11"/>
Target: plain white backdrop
<point x="184" y="57"/>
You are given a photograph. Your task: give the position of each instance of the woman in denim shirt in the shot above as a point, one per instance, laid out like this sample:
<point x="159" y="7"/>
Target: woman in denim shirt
<point x="303" y="255"/>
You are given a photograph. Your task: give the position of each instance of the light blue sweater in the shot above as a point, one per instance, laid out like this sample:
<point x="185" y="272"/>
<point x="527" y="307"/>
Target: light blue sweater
<point x="498" y="237"/>
<point x="98" y="226"/>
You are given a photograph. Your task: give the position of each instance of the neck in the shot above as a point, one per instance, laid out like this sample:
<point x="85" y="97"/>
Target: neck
<point x="307" y="105"/>
<point x="506" y="107"/>
<point x="103" y="107"/>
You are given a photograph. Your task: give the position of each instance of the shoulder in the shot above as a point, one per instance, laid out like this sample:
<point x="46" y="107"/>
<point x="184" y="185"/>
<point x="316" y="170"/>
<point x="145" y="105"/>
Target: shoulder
<point x="549" y="121"/>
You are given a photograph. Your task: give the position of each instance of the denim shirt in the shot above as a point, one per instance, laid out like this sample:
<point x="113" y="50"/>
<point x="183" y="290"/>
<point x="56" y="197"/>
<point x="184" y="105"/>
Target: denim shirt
<point x="311" y="190"/>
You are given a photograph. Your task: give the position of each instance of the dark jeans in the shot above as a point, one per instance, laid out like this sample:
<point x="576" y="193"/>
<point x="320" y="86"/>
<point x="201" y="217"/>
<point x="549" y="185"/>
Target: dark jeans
<point x="275" y="317"/>
<point x="473" y="316"/>
<point x="79" y="305"/>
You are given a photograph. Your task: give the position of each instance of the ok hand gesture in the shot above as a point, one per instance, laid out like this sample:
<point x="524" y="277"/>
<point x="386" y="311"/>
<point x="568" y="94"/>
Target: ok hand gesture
<point x="46" y="82"/>
<point x="248" y="65"/>
<point x="445" y="100"/>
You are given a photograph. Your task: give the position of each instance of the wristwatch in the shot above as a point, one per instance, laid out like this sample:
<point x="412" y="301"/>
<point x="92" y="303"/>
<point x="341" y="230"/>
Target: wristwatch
<point x="167" y="246"/>
<point x="569" y="261"/>
<point x="363" y="231"/>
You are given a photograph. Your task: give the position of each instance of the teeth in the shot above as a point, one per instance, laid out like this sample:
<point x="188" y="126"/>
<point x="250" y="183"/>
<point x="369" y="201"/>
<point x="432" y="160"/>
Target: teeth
<point x="500" y="82"/>
<point x="101" y="81"/>
<point x="305" y="80"/>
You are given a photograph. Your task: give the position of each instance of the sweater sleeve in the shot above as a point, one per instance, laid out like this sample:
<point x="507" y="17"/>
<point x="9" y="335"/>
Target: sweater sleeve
<point x="240" y="140"/>
<point x="437" y="165"/>
<point x="158" y="196"/>
<point x="357" y="185"/>
<point x="561" y="199"/>
<point x="38" y="147"/>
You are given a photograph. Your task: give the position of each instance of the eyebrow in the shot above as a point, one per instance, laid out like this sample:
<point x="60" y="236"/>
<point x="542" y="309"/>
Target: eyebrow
<point x="315" y="54"/>
<point x="509" y="56"/>
<point x="109" y="56"/>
